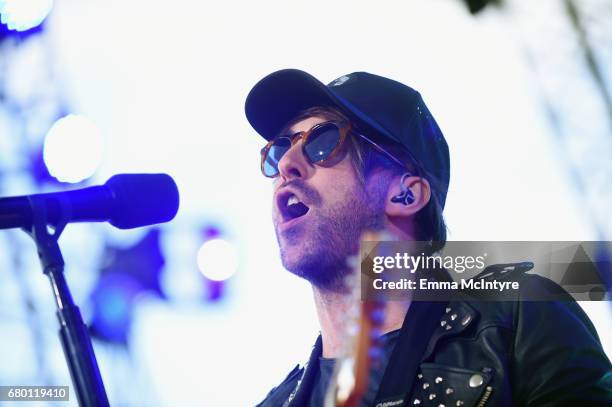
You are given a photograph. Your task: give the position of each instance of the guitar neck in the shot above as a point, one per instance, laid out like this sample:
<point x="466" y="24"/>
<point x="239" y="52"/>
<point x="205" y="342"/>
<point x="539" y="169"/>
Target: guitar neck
<point x="352" y="373"/>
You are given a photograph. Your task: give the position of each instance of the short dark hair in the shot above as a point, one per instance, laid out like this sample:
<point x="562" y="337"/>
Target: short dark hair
<point x="429" y="221"/>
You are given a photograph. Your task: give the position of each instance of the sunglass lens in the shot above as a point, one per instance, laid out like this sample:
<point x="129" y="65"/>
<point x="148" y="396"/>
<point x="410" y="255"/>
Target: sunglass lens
<point x="275" y="153"/>
<point x="322" y="142"/>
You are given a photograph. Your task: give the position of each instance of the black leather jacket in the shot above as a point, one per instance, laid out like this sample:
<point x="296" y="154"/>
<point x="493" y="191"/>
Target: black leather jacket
<point x="476" y="353"/>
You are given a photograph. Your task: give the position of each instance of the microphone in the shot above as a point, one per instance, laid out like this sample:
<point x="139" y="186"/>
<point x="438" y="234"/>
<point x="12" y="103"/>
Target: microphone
<point x="127" y="201"/>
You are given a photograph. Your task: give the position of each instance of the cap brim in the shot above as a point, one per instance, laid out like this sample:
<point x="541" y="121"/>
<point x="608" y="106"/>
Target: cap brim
<point x="280" y="96"/>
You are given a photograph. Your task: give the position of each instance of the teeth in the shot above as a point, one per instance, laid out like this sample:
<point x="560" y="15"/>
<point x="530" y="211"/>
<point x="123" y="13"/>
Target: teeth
<point x="293" y="200"/>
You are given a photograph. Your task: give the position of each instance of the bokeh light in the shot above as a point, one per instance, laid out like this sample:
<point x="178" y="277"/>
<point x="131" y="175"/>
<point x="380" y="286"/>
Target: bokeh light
<point x="217" y="259"/>
<point x="22" y="15"/>
<point x="73" y="149"/>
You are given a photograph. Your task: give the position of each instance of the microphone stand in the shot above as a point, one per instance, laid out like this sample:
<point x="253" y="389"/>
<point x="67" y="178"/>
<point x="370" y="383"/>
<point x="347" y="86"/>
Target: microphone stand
<point x="74" y="336"/>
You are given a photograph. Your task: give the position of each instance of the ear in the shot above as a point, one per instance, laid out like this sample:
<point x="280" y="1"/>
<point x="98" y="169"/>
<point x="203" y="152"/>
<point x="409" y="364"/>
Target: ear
<point x="421" y="192"/>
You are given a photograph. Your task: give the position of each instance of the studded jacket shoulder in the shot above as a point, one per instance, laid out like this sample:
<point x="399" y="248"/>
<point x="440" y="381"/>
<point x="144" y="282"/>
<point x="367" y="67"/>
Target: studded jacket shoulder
<point x="479" y="353"/>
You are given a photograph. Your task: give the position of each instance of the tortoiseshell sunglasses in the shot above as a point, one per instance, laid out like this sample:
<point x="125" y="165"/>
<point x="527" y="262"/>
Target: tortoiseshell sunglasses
<point x="320" y="145"/>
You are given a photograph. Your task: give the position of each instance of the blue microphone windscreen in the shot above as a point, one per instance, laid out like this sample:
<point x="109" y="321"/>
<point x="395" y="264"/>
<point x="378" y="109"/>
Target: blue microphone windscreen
<point x="142" y="199"/>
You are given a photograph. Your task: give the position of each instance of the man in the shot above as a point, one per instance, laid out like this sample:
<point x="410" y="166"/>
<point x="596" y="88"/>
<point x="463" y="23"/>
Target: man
<point x="364" y="153"/>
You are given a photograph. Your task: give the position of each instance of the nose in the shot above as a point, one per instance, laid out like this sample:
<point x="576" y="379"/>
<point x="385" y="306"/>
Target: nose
<point x="294" y="164"/>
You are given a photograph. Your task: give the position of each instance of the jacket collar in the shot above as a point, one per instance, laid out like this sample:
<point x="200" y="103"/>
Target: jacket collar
<point x="300" y="395"/>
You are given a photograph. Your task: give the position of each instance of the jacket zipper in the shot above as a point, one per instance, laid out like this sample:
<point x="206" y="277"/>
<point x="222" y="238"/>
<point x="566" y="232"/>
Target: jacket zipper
<point x="485" y="397"/>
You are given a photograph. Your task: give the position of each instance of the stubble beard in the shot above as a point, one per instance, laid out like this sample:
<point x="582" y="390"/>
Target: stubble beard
<point x="326" y="242"/>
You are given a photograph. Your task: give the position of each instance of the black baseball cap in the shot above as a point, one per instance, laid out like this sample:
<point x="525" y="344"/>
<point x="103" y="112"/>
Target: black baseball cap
<point x="385" y="110"/>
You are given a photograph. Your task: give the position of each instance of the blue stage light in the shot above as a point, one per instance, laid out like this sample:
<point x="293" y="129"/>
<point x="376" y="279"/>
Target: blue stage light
<point x="125" y="275"/>
<point x="217" y="259"/>
<point x="73" y="149"/>
<point x="22" y="15"/>
<point x="113" y="302"/>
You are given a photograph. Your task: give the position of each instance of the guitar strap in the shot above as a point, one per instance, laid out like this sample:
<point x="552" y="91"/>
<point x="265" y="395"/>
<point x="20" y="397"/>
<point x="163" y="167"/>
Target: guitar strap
<point x="422" y="319"/>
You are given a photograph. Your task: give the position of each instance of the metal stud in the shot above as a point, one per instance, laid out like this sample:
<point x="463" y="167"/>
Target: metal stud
<point x="439" y="380"/>
<point x="466" y="320"/>
<point x="425" y="386"/>
<point x="441" y="405"/>
<point x="448" y="309"/>
<point x="432" y="396"/>
<point x="416" y="402"/>
<point x="443" y="322"/>
<point x="453" y="317"/>
<point x="448" y="327"/>
<point x="460" y="403"/>
<point x="476" y="380"/>
<point x="420" y="375"/>
<point x="450" y="390"/>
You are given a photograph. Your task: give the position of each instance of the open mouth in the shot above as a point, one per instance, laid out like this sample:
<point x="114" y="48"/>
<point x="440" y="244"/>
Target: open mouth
<point x="291" y="207"/>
